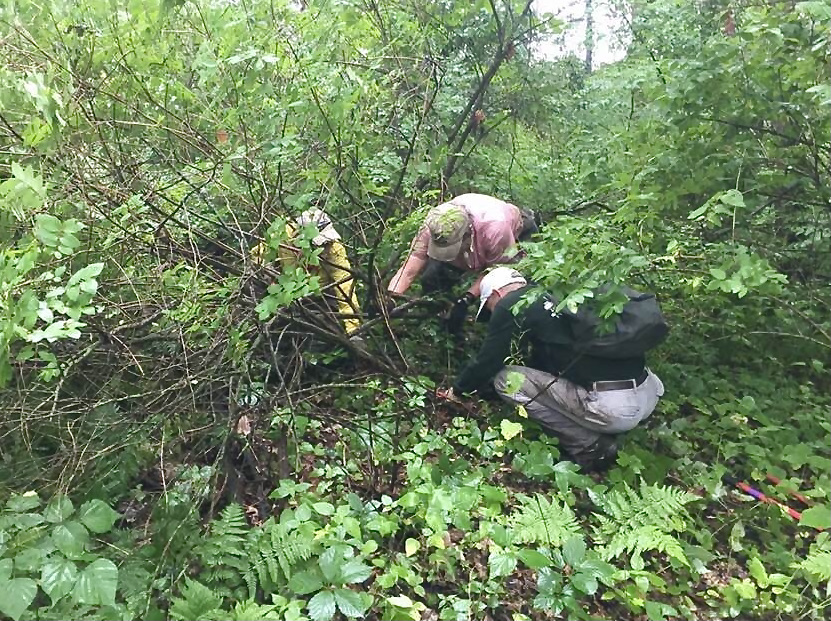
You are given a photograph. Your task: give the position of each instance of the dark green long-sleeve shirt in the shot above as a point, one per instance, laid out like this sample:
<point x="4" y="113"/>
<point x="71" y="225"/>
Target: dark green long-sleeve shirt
<point x="547" y="335"/>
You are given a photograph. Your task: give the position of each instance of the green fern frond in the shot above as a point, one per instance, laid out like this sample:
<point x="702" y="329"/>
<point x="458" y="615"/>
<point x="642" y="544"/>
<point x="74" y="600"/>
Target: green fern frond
<point x="226" y="538"/>
<point x="817" y="565"/>
<point x="272" y="552"/>
<point x="639" y="522"/>
<point x="542" y="521"/>
<point x="252" y="611"/>
<point x="198" y="603"/>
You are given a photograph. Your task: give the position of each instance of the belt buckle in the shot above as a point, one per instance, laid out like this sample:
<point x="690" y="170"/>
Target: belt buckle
<point x="608" y="385"/>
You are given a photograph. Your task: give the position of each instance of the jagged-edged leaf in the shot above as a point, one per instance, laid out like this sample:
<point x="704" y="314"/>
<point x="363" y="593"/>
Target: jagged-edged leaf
<point x="305" y="582"/>
<point x="322" y="606"/>
<point x="354" y="571"/>
<point x="501" y="563"/>
<point x="350" y="603"/>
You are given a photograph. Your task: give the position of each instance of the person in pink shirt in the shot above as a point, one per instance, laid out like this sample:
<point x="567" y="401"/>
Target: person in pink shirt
<point x="469" y="233"/>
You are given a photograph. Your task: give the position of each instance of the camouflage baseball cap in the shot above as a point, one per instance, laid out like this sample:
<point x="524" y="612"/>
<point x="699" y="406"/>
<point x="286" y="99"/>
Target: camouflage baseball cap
<point x="447" y="224"/>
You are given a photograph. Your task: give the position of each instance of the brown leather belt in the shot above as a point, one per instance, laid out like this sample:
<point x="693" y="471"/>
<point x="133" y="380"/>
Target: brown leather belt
<point x="627" y="384"/>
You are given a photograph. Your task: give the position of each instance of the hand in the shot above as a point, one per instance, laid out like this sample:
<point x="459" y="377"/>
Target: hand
<point x="456" y="318"/>
<point x="447" y="395"/>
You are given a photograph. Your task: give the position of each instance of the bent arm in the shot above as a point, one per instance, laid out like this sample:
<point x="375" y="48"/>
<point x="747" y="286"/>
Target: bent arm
<point x="406" y="274"/>
<point x="491" y="357"/>
<point x="413" y="266"/>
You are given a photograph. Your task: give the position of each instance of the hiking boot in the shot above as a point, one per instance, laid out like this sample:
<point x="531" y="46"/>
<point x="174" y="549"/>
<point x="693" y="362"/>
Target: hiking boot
<point x="599" y="456"/>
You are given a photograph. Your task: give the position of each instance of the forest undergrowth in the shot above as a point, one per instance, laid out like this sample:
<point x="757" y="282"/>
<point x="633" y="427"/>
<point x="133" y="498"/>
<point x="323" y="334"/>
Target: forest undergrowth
<point x="188" y="434"/>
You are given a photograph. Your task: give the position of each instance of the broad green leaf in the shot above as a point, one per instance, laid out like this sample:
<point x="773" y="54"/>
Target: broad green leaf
<point x="57" y="578"/>
<point x="322" y="606"/>
<point x="27" y="521"/>
<point x="534" y="559"/>
<point x="513" y="382"/>
<point x="354" y="571"/>
<point x="584" y="582"/>
<point x="96" y="584"/>
<point x="574" y="550"/>
<point x="509" y="429"/>
<point x="16" y="596"/>
<point x="733" y="198"/>
<point x="97" y="516"/>
<point x="657" y="611"/>
<point x="29" y="178"/>
<point x="71" y="538"/>
<point x="737" y="537"/>
<point x="58" y="509"/>
<point x="6" y="566"/>
<point x="758" y="572"/>
<point x="305" y="582"/>
<point x="598" y="568"/>
<point x="501" y="563"/>
<point x="697" y="213"/>
<point x="401" y="601"/>
<point x="349" y="603"/>
<point x="330" y="562"/>
<point x="324" y="508"/>
<point x="85" y="273"/>
<point x="303" y="513"/>
<point x="817" y="517"/>
<point x="20" y="503"/>
<point x="745" y="588"/>
<point x="411" y="546"/>
<point x="31" y="558"/>
<point x="47" y="224"/>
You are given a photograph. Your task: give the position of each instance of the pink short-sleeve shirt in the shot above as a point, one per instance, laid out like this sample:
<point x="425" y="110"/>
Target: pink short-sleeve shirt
<point x="496" y="225"/>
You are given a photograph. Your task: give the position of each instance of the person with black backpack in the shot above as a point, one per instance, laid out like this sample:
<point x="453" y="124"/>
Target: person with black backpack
<point x="583" y="383"/>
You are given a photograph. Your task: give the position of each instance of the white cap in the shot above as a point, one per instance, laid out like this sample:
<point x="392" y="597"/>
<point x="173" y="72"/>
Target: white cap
<point x="321" y="220"/>
<point x="496" y="279"/>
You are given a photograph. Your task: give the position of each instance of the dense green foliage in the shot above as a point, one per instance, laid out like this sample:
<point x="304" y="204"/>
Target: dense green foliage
<point x="185" y="435"/>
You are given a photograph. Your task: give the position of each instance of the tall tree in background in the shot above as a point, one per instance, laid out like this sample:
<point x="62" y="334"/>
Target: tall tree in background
<point x="589" y="39"/>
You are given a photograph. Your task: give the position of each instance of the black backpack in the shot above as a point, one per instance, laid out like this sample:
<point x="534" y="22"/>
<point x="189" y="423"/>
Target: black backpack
<point x="637" y="329"/>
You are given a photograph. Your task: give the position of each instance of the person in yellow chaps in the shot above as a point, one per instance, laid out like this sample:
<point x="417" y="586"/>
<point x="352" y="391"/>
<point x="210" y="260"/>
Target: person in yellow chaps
<point x="335" y="269"/>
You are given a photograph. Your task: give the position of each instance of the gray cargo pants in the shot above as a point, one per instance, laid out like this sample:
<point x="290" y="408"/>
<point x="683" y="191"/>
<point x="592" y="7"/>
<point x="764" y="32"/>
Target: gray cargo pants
<point x="578" y="417"/>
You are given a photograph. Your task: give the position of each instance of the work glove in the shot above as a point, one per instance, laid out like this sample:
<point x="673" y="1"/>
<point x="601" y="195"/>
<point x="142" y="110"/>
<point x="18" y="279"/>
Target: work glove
<point x="456" y="318"/>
